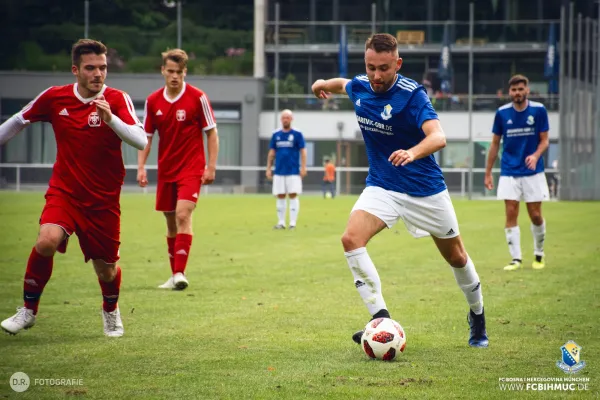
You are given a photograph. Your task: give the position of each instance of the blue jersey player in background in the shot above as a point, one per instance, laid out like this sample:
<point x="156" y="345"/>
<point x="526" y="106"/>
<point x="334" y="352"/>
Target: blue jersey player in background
<point x="401" y="131"/>
<point x="523" y="127"/>
<point x="288" y="151"/>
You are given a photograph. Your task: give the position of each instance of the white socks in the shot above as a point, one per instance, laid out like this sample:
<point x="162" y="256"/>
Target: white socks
<point x="281" y="211"/>
<point x="468" y="281"/>
<point x="294" y="210"/>
<point x="366" y="279"/>
<point x="539" y="235"/>
<point x="513" y="238"/>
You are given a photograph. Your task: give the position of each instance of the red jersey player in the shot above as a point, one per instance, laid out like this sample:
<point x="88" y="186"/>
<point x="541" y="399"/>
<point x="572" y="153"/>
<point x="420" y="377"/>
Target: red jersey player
<point x="180" y="113"/>
<point x="89" y="121"/>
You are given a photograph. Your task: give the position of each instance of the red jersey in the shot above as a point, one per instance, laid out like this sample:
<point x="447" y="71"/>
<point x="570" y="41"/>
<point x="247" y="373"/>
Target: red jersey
<point x="180" y="123"/>
<point x="89" y="164"/>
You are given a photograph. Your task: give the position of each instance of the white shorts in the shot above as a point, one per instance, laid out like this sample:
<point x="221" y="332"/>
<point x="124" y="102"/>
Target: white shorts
<point x="423" y="216"/>
<point x="284" y="184"/>
<point x="531" y="189"/>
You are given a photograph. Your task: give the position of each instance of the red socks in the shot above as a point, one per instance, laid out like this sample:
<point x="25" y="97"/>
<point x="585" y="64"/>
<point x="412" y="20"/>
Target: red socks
<point x="39" y="270"/>
<point x="171" y="247"/>
<point x="110" y="292"/>
<point x="183" y="243"/>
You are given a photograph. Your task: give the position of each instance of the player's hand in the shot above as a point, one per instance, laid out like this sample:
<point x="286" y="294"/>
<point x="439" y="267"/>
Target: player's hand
<point x="488" y="181"/>
<point x="303" y="172"/>
<point x="318" y="89"/>
<point x="401" y="157"/>
<point x="103" y="109"/>
<point x="142" y="177"/>
<point x="269" y="174"/>
<point x="209" y="175"/>
<point x="531" y="161"/>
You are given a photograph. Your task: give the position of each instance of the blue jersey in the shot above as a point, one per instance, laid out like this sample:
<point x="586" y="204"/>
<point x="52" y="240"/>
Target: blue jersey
<point x="392" y="121"/>
<point x="287" y="147"/>
<point x="520" y="131"/>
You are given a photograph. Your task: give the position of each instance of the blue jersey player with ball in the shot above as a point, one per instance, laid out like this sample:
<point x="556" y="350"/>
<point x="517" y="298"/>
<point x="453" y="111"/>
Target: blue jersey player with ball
<point x="401" y="131"/>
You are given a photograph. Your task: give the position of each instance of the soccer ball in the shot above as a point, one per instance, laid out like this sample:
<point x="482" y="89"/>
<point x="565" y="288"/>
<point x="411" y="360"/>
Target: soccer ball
<point x="383" y="339"/>
<point x="328" y="195"/>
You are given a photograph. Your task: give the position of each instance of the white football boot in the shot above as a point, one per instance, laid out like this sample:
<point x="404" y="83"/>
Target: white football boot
<point x="169" y="284"/>
<point x="113" y="326"/>
<point x="23" y="319"/>
<point x="180" y="281"/>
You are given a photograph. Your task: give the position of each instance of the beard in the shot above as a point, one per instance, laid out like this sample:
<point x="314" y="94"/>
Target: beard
<point x="382" y="87"/>
<point x="519" y="99"/>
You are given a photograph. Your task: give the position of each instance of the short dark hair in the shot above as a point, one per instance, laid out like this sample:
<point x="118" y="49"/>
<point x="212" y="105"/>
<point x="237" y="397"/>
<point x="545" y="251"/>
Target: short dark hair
<point x="86" y="46"/>
<point x="382" y="42"/>
<point x="176" y="55"/>
<point x="516" y="79"/>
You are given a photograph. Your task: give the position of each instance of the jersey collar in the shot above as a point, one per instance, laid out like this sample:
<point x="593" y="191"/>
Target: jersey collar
<point x="176" y="98"/>
<point x="89" y="99"/>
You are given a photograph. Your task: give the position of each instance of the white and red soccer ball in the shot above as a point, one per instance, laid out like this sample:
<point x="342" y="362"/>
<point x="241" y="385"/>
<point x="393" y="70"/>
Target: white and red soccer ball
<point x="383" y="339"/>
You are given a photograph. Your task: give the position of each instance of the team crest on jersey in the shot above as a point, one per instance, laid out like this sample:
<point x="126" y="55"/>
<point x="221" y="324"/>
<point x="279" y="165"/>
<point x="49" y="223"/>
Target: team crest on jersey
<point x="94" y="120"/>
<point x="387" y="112"/>
<point x="180" y="115"/>
<point x="291" y="137"/>
<point x="530" y="120"/>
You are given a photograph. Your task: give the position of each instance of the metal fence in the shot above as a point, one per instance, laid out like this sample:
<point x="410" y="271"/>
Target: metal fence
<point x="579" y="161"/>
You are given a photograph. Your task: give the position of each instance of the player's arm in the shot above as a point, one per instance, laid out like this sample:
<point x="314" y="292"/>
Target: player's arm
<point x="531" y="160"/>
<point x="212" y="143"/>
<point x="10" y="128"/>
<point x="321" y="88"/>
<point x="37" y="110"/>
<point x="149" y="128"/>
<point x="142" y="175"/>
<point x="270" y="160"/>
<point x="497" y="130"/>
<point x="435" y="139"/>
<point x="491" y="160"/>
<point x="134" y="134"/>
<point x="303" y="162"/>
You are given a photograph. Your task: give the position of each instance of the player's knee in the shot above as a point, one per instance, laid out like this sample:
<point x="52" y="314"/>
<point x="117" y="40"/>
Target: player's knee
<point x="106" y="274"/>
<point x="351" y="241"/>
<point x="46" y="245"/>
<point x="183" y="217"/>
<point x="537" y="219"/>
<point x="458" y="258"/>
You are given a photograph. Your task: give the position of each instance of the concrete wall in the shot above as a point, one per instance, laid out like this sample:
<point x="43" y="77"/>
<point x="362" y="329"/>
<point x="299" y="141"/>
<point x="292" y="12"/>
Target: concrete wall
<point x="322" y="125"/>
<point x="245" y="92"/>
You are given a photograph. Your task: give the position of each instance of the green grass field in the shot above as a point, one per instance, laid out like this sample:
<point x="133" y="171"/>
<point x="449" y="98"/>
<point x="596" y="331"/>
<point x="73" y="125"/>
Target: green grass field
<point x="269" y="314"/>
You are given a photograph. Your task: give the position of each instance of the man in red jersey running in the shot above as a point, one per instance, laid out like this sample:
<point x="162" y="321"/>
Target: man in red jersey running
<point x="90" y="120"/>
<point x="180" y="113"/>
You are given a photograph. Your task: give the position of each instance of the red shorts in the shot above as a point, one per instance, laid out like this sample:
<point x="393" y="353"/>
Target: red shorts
<point x="168" y="193"/>
<point x="98" y="230"/>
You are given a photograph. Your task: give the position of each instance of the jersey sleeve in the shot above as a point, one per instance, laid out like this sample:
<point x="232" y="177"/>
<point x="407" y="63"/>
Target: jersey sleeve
<point x="420" y="108"/>
<point x="497" y="128"/>
<point x="38" y="109"/>
<point x="300" y="141"/>
<point x="149" y="126"/>
<point x="123" y="108"/>
<point x="272" y="143"/>
<point x="543" y="118"/>
<point x="348" y="88"/>
<point x="207" y="116"/>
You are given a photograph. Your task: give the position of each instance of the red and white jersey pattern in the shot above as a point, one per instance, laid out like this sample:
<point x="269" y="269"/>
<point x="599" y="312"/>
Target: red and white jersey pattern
<point x="180" y="123"/>
<point x="89" y="163"/>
